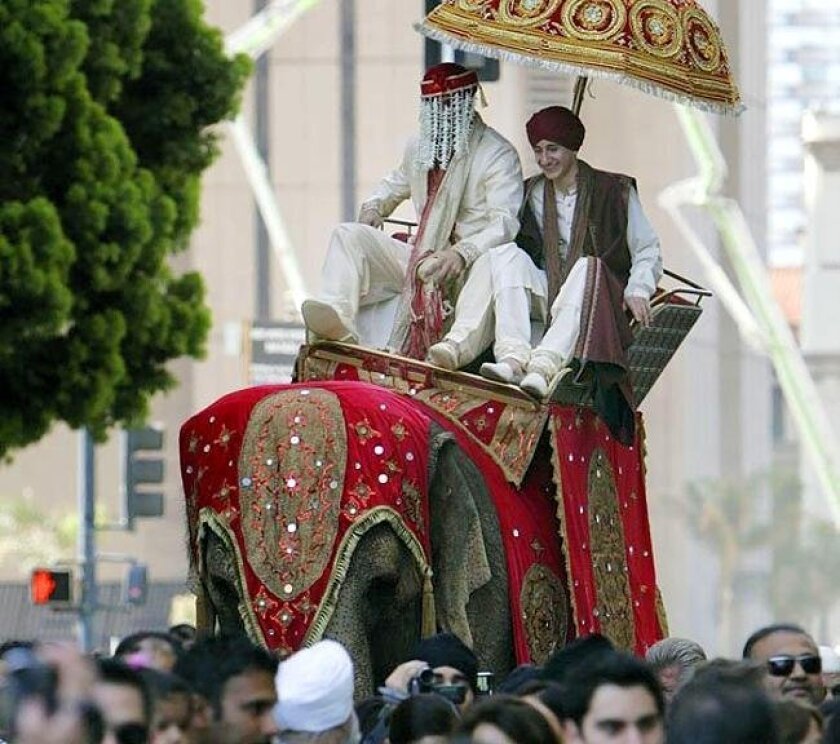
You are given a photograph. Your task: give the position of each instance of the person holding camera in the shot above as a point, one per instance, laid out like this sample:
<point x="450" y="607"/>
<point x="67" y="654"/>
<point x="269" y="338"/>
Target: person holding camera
<point x="442" y="664"/>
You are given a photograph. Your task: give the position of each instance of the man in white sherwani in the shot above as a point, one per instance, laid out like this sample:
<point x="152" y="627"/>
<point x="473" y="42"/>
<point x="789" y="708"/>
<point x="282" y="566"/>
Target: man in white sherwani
<point x="466" y="184"/>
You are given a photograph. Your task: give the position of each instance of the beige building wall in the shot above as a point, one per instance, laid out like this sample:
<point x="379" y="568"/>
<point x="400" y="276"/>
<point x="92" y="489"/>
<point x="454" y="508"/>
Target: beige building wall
<point x="706" y="417"/>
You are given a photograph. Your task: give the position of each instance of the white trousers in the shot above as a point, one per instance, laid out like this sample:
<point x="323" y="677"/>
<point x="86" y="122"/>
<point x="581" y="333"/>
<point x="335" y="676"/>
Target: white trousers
<point x="363" y="267"/>
<point x="503" y="292"/>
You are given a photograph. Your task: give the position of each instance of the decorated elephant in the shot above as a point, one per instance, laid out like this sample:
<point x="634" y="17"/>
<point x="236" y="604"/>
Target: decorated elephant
<point x="374" y="513"/>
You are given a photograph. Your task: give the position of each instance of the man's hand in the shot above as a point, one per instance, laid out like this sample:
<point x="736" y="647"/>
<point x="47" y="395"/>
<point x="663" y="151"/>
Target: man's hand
<point x="404" y="673"/>
<point x="370" y="216"/>
<point x="640" y="309"/>
<point x="441" y="266"/>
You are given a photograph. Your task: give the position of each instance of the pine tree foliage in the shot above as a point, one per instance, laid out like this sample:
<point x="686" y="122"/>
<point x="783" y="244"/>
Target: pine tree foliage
<point x="105" y="129"/>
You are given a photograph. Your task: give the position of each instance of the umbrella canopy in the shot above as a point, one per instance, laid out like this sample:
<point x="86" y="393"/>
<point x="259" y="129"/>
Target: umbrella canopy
<point x="670" y="48"/>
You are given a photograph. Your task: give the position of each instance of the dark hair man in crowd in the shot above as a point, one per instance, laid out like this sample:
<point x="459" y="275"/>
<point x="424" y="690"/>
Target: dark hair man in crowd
<point x="723" y="706"/>
<point x="124" y="701"/>
<point x="235" y="679"/>
<point x="616" y="699"/>
<point x="173" y="707"/>
<point x="150" y="649"/>
<point x="792" y="662"/>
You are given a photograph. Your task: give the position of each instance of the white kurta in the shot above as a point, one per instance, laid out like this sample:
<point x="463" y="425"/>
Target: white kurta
<point x="498" y="302"/>
<point x="364" y="266"/>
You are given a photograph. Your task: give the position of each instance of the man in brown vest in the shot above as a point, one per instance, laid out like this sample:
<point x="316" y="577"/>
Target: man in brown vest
<point x="588" y="253"/>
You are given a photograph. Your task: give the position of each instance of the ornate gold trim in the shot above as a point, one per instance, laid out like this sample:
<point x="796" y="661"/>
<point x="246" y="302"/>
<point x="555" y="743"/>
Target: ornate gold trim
<point x="208" y="519"/>
<point x="618" y="21"/>
<point x="562" y="530"/>
<point x="668" y="49"/>
<point x="693" y="15"/>
<point x="520" y="13"/>
<point x="607" y="551"/>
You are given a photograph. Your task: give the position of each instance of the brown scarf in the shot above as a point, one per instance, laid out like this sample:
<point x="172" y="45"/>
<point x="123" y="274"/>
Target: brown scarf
<point x="556" y="267"/>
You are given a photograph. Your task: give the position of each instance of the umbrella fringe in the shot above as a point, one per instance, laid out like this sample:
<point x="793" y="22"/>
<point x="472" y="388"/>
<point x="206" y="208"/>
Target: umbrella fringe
<point x="572" y="69"/>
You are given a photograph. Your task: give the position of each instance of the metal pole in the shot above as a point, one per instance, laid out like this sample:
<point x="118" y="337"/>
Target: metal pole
<point x="348" y="109"/>
<point x="87" y="540"/>
<point x="262" y="296"/>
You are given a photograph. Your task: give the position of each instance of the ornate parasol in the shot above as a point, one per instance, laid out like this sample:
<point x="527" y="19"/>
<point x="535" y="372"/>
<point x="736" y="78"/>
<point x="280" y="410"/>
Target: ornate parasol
<point x="670" y="48"/>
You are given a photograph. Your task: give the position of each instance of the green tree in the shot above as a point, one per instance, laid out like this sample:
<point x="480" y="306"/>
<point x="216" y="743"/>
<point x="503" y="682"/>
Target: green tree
<point x="103" y="139"/>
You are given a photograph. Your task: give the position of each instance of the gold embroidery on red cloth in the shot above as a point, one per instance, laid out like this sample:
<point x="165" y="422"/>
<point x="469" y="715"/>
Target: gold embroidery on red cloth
<point x="527" y="12"/>
<point x="656" y="27"/>
<point x="515" y="436"/>
<point x="594" y="19"/>
<point x="413" y="500"/>
<point x="702" y="38"/>
<point x="294" y="467"/>
<point x="661" y="614"/>
<point x="545" y="612"/>
<point x="554" y="425"/>
<point x="609" y="563"/>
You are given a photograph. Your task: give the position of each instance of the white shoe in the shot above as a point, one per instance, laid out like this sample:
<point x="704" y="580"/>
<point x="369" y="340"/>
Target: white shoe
<point x="535" y="384"/>
<point x="444" y="354"/>
<point x="501" y="372"/>
<point x="324" y="321"/>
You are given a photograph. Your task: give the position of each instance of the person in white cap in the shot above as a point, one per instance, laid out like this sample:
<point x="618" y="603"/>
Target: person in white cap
<point x="315" y="696"/>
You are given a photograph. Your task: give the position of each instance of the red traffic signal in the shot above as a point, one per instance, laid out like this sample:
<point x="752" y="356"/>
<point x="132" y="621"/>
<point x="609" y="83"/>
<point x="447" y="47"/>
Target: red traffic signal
<point x="50" y="586"/>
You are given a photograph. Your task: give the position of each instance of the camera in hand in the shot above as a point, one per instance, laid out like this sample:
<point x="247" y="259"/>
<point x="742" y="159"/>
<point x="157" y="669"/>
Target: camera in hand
<point x="425" y="683"/>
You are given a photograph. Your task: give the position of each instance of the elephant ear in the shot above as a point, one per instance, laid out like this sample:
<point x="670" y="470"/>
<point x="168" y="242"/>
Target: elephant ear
<point x="459" y="538"/>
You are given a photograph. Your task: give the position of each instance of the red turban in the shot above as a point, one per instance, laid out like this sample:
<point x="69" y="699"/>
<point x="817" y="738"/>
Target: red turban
<point x="556" y="124"/>
<point x="447" y="77"/>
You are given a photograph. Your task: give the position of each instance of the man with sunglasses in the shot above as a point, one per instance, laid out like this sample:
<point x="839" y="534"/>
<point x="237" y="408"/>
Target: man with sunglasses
<point x="792" y="659"/>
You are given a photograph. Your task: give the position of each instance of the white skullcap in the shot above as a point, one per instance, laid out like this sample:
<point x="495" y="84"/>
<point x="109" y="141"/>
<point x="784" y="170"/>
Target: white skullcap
<point x="830" y="660"/>
<point x="314" y="688"/>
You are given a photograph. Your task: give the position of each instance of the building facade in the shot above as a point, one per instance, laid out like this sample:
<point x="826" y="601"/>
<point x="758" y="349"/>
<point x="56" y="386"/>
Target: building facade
<point x="707" y="419"/>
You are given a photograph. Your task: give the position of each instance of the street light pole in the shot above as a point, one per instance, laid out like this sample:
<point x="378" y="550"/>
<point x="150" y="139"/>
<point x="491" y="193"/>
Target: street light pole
<point x="87" y="540"/>
<point x="348" y="110"/>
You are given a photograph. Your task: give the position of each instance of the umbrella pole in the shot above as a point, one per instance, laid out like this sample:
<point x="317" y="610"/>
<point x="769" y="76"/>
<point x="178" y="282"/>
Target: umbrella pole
<point x="580" y="89"/>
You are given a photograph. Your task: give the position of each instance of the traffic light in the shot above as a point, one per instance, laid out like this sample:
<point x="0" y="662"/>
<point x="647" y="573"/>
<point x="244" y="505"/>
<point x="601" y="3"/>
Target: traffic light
<point x="143" y="464"/>
<point x="136" y="586"/>
<point x="486" y="68"/>
<point x="48" y="586"/>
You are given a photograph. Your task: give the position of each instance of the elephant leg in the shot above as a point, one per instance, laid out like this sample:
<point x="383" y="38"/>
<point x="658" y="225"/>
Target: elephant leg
<point x="221" y="586"/>
<point x="378" y="612"/>
<point x="471" y="591"/>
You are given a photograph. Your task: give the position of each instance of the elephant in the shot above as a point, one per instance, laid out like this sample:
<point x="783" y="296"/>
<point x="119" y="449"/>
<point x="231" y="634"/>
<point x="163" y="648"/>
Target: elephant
<point x="346" y="509"/>
<point x="379" y="609"/>
<point x="378" y="615"/>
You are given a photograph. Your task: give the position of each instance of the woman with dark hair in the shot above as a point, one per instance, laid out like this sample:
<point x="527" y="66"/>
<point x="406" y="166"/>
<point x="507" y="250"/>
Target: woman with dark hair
<point x="423" y="719"/>
<point x="504" y="719"/>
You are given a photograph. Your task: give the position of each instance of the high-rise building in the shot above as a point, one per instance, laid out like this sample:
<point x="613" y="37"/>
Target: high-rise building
<point x="803" y="73"/>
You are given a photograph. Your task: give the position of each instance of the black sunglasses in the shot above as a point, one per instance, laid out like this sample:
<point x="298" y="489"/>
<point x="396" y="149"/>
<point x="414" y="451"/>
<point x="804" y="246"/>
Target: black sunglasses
<point x="782" y="666"/>
<point x="132" y="733"/>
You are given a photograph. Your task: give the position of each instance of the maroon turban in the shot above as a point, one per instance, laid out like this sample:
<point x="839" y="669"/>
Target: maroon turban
<point x="556" y="124"/>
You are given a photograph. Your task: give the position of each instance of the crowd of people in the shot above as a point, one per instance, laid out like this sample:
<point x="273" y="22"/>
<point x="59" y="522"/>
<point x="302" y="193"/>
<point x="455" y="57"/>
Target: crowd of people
<point x="172" y="688"/>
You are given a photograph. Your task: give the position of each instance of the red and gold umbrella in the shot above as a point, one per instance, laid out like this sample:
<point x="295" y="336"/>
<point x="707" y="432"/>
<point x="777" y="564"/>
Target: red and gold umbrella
<point x="670" y="48"/>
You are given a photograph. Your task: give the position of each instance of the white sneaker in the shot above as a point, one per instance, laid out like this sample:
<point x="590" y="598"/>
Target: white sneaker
<point x="535" y="384"/>
<point x="324" y="321"/>
<point x="444" y="354"/>
<point x="501" y="372"/>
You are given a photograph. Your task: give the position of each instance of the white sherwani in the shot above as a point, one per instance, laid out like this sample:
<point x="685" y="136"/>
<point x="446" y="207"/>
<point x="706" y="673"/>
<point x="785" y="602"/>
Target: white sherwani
<point x="364" y="266"/>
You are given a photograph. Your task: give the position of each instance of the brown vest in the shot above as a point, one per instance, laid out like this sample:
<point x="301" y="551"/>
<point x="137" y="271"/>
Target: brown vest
<point x="599" y="226"/>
